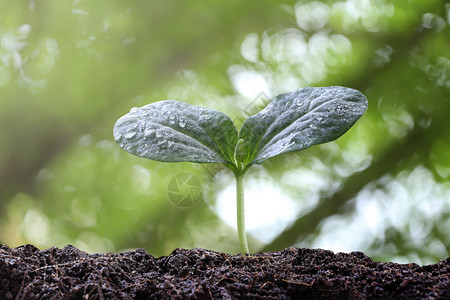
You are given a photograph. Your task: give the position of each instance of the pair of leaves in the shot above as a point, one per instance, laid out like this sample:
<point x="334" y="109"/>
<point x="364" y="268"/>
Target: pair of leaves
<point x="174" y="131"/>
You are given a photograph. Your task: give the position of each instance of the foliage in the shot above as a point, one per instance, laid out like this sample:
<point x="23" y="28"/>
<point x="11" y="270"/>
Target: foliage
<point x="173" y="131"/>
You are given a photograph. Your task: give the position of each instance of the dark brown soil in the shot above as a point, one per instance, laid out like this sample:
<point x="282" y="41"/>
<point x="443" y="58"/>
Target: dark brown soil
<point x="29" y="273"/>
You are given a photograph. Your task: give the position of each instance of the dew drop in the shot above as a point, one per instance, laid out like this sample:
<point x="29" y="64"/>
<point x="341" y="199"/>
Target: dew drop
<point x="149" y="133"/>
<point x="134" y="110"/>
<point x="182" y="124"/>
<point x="118" y="136"/>
<point x="355" y="109"/>
<point x="130" y="134"/>
<point x="319" y="118"/>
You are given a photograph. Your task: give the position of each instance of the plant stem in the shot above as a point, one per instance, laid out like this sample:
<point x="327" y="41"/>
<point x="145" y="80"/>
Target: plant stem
<point x="241" y="212"/>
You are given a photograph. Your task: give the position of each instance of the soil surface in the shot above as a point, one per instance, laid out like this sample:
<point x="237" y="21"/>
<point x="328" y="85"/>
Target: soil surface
<point x="29" y="273"/>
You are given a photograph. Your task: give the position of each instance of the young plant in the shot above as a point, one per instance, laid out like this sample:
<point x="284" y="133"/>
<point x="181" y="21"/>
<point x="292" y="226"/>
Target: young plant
<point x="173" y="131"/>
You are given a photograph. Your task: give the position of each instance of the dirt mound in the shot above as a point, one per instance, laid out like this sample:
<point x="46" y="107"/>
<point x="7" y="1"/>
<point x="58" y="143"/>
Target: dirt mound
<point x="29" y="273"/>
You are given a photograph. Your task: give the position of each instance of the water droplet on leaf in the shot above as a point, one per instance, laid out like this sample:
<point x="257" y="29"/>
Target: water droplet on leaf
<point x="149" y="133"/>
<point x="130" y="134"/>
<point x="118" y="136"/>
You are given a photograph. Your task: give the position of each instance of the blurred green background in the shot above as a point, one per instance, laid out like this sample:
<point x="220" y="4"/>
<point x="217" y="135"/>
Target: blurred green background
<point x="70" y="69"/>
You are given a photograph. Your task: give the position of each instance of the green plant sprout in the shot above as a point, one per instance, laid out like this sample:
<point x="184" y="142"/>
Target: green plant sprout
<point x="174" y="131"/>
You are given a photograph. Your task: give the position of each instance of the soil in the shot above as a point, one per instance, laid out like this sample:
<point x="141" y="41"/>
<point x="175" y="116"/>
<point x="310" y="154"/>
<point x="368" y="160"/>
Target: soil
<point x="29" y="273"/>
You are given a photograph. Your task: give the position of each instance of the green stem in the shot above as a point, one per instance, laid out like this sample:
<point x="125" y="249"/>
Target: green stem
<point x="241" y="212"/>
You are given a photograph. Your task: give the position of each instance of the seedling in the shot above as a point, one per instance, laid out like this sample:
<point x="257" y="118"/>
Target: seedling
<point x="173" y="131"/>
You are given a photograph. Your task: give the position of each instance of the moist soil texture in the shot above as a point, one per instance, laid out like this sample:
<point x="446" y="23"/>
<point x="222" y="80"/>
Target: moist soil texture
<point x="294" y="273"/>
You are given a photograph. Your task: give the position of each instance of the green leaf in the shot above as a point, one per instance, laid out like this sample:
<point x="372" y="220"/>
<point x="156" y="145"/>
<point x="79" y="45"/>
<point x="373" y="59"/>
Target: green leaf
<point x="174" y="131"/>
<point x="298" y="120"/>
